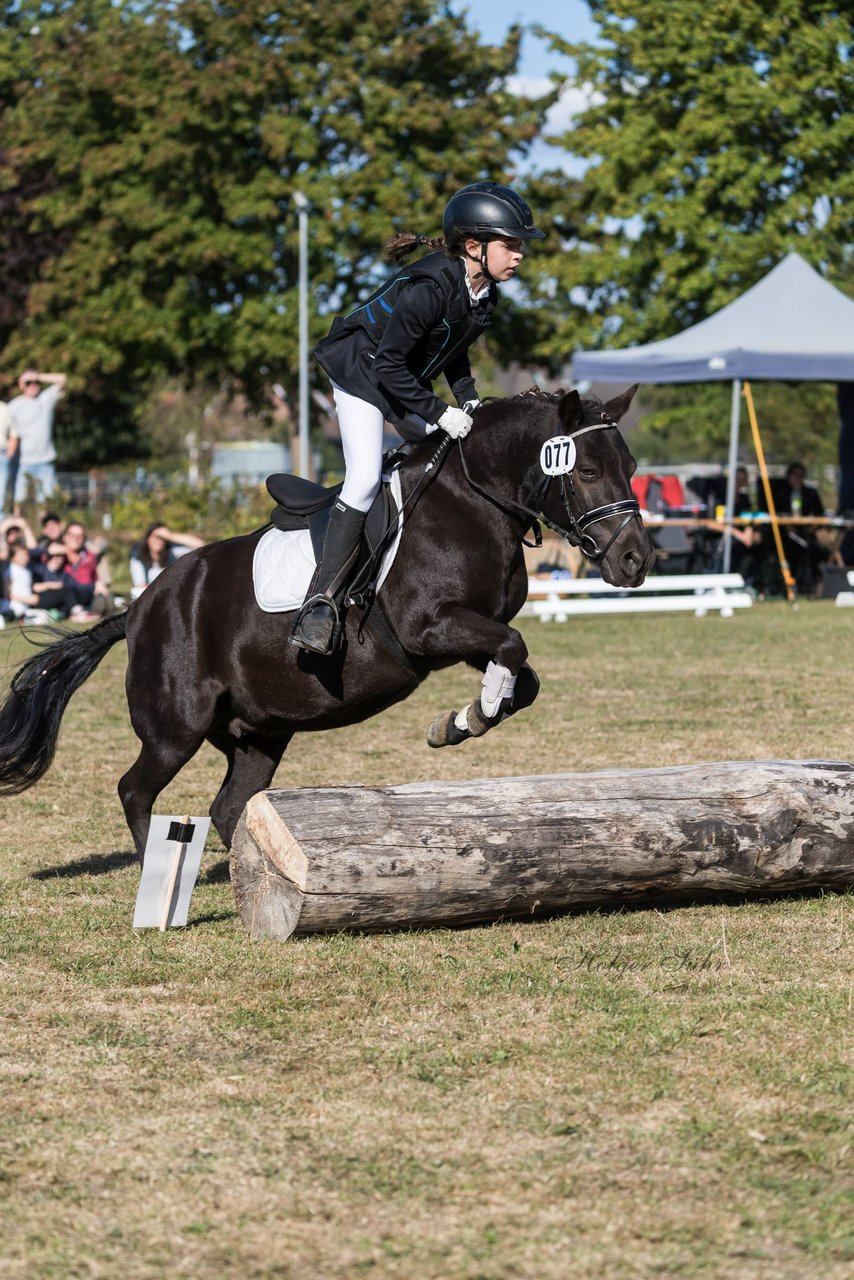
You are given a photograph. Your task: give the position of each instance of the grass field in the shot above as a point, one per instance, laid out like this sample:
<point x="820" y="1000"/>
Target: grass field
<point x="608" y="1095"/>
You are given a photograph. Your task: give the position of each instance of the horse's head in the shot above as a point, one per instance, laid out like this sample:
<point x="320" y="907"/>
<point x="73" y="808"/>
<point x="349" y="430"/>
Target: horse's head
<point x="571" y="464"/>
<point x="561" y="459"/>
<point x="587" y="492"/>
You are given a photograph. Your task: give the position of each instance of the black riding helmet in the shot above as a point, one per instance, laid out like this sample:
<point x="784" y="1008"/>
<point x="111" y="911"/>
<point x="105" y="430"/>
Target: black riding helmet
<point x="487" y="211"/>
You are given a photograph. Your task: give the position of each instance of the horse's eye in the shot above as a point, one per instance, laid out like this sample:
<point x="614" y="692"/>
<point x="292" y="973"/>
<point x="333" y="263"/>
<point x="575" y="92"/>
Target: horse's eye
<point x="588" y="473"/>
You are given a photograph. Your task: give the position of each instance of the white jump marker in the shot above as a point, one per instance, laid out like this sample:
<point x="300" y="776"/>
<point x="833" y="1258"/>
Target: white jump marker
<point x="170" y="867"/>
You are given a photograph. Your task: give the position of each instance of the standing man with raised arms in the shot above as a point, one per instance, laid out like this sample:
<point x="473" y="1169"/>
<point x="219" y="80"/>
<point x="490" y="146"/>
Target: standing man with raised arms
<point x="32" y="414"/>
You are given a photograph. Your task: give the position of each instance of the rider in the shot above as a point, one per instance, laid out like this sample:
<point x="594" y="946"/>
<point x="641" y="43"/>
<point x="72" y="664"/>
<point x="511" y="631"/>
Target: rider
<point x="383" y="356"/>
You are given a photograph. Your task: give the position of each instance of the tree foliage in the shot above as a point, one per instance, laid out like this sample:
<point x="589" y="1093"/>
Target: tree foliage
<point x="151" y="152"/>
<point x="692" y="424"/>
<point x="718" y="138"/>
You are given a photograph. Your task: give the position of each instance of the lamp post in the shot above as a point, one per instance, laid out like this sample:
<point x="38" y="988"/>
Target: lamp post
<point x="302" y="207"/>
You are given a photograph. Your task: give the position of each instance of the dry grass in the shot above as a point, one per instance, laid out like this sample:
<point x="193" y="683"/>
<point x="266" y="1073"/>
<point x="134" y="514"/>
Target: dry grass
<point x="620" y="1096"/>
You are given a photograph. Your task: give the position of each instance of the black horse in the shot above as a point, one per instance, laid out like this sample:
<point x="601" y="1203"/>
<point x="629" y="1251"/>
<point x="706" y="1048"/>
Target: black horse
<point x="206" y="663"/>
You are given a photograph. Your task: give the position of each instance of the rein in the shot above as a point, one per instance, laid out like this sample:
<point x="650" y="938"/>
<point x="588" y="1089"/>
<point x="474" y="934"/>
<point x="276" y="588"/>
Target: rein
<point x="576" y="533"/>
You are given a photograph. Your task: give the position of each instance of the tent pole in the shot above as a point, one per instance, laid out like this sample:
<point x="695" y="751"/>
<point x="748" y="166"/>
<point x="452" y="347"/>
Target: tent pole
<point x="731" y="468"/>
<point x="788" y="580"/>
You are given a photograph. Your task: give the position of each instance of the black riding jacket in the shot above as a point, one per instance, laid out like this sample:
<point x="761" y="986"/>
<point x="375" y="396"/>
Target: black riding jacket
<point x="419" y="324"/>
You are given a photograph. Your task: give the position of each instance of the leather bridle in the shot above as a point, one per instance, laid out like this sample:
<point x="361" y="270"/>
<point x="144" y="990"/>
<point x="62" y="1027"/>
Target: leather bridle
<point x="577" y="525"/>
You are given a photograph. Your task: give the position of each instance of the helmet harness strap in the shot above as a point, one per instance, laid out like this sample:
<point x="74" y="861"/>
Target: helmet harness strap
<point x="481" y="261"/>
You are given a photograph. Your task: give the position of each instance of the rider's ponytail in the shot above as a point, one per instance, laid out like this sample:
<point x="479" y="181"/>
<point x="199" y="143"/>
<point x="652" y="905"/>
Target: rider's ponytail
<point x="400" y="246"/>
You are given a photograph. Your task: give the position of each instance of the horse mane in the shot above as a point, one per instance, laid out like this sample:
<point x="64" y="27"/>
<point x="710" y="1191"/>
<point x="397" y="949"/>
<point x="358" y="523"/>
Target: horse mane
<point x="534" y="390"/>
<point x="588" y="402"/>
<point x="497" y="411"/>
<point x="591" y="404"/>
<point x="532" y="393"/>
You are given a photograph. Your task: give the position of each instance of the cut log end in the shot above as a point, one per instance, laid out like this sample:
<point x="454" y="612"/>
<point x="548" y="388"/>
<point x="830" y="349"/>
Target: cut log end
<point x="269" y="903"/>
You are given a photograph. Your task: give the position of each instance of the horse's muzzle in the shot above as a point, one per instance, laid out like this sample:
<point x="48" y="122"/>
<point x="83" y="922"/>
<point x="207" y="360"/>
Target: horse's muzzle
<point x="630" y="559"/>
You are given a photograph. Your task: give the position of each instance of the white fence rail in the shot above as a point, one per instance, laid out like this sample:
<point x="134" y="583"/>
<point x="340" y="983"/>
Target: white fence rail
<point x="556" y="599"/>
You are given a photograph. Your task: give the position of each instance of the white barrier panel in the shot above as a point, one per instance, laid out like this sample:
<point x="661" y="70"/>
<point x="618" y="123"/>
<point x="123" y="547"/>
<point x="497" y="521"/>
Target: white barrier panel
<point x="650" y="586"/>
<point x="712" y="602"/>
<point x="697" y="593"/>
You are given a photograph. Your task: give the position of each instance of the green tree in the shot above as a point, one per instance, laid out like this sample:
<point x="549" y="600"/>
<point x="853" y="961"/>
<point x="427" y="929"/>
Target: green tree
<point x="157" y="147"/>
<point x="692" y="424"/>
<point x="24" y="244"/>
<point x="719" y="136"/>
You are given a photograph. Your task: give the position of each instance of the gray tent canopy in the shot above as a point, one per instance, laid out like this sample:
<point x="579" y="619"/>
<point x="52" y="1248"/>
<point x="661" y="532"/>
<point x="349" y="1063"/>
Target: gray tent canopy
<point x="790" y="327"/>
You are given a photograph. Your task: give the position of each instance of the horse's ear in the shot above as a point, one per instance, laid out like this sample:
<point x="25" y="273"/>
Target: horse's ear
<point x="571" y="411"/>
<point x="619" y="406"/>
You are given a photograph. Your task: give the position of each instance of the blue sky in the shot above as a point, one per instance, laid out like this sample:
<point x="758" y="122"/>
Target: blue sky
<point x="570" y="18"/>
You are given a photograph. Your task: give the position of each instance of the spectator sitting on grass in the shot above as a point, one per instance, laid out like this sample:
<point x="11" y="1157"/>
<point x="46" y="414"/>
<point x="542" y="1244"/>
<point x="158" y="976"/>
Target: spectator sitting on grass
<point x="156" y="550"/>
<point x="14" y="529"/>
<point x="85" y="574"/>
<point x="51" y="531"/>
<point x="51" y="585"/>
<point x="21" y="595"/>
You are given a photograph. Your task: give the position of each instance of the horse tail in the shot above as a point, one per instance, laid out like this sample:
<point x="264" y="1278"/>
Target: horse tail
<point x="41" y="688"/>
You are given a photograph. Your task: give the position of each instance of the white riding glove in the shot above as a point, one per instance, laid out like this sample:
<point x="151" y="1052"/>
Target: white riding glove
<point x="469" y="406"/>
<point x="455" y="422"/>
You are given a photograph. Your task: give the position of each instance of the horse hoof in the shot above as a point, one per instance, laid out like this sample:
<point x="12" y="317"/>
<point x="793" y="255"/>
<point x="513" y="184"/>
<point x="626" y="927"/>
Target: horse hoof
<point x="443" y="732"/>
<point x="477" y="722"/>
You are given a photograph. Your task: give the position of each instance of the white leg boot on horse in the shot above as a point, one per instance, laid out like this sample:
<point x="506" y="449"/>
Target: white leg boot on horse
<point x="318" y="624"/>
<point x="503" y="695"/>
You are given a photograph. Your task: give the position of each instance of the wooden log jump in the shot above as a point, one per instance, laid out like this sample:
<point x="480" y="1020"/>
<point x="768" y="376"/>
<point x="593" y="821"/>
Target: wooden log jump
<point x="324" y="859"/>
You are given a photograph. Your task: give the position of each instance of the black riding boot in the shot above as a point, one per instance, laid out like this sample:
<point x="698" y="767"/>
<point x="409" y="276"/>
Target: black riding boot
<point x="317" y="626"/>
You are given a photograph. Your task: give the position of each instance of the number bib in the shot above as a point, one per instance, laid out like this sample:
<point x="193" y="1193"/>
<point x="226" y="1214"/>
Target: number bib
<point x="557" y="456"/>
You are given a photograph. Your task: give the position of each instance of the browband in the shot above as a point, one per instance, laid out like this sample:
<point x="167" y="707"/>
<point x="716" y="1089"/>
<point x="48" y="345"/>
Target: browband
<point x="595" y="426"/>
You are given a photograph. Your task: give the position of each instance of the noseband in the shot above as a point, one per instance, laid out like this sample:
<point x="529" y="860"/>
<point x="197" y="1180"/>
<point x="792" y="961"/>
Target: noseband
<point x="576" y="531"/>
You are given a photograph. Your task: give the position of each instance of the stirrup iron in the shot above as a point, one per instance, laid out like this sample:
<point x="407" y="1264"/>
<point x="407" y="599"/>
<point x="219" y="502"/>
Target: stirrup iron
<point x="298" y="640"/>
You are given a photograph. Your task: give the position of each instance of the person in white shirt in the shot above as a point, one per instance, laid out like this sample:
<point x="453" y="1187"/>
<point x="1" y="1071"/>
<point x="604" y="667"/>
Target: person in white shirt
<point x="32" y="415"/>
<point x="21" y="595"/>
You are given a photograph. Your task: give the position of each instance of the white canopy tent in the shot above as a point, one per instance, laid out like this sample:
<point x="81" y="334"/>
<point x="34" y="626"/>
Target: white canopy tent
<point x="791" y="327"/>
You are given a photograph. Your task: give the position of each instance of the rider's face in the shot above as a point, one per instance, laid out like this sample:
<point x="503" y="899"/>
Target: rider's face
<point x="502" y="257"/>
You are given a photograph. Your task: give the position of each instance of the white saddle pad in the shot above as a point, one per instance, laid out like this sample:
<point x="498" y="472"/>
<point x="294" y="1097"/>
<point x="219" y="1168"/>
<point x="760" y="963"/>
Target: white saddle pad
<point x="284" y="562"/>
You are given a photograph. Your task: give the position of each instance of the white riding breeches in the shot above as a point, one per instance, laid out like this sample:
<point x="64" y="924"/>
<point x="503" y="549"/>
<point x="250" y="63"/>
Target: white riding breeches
<point x="362" y="427"/>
